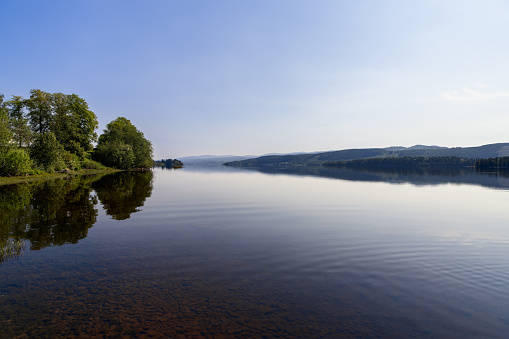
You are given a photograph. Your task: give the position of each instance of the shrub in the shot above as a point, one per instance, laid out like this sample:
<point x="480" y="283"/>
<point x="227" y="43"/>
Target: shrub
<point x="47" y="153"/>
<point x="91" y="164"/>
<point x="15" y="162"/>
<point x="72" y="161"/>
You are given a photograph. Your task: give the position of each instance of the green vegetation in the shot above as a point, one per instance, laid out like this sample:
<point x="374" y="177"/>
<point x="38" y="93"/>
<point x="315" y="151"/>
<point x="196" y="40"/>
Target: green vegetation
<point x="405" y="162"/>
<point x="15" y="162"/>
<point x="123" y="146"/>
<point x="51" y="132"/>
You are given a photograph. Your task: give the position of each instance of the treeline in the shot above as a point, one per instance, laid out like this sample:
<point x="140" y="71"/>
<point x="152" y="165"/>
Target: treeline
<point x="493" y="163"/>
<point x="405" y="162"/>
<point x="169" y="163"/>
<point x="55" y="131"/>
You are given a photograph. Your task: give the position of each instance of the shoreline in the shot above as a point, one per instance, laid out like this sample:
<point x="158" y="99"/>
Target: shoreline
<point x="56" y="175"/>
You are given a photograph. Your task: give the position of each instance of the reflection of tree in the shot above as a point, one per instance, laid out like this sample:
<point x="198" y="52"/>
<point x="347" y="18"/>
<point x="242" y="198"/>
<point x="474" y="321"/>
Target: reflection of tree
<point x="395" y="175"/>
<point x="51" y="213"/>
<point x="14" y="202"/>
<point x="58" y="212"/>
<point x="64" y="213"/>
<point x="123" y="193"/>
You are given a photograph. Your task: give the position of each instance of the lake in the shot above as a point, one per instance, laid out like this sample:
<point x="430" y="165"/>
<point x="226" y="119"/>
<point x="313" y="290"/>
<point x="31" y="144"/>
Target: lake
<point x="229" y="253"/>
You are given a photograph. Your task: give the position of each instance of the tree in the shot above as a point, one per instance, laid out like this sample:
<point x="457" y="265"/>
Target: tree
<point x="5" y="132"/>
<point x="73" y="124"/>
<point x="22" y="135"/>
<point x="13" y="161"/>
<point x="123" y="146"/>
<point x="39" y="111"/>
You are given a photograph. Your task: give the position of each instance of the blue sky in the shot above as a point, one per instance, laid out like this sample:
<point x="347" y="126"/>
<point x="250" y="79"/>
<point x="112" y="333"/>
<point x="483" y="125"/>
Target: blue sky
<point x="260" y="76"/>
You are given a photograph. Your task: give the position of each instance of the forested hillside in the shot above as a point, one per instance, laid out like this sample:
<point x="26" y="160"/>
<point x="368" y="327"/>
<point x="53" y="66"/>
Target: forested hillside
<point x="480" y="152"/>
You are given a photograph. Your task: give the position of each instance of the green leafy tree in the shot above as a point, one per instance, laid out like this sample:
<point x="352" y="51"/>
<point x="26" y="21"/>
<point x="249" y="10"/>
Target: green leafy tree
<point x="47" y="153"/>
<point x="40" y="111"/>
<point x="13" y="161"/>
<point x="73" y="124"/>
<point x="22" y="135"/>
<point x="5" y="132"/>
<point x="123" y="146"/>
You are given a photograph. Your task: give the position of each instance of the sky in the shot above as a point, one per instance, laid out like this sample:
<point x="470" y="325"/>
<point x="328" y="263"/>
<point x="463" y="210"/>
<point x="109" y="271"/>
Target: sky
<point x="262" y="76"/>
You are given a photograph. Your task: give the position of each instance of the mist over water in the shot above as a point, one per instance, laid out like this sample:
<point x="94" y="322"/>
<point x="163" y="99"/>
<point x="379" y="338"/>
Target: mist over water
<point x="244" y="254"/>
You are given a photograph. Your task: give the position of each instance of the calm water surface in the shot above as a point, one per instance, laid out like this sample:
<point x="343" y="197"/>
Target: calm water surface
<point x="226" y="253"/>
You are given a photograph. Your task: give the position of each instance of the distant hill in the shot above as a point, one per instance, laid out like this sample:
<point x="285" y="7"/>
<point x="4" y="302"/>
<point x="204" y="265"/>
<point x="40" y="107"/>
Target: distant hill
<point x="310" y="159"/>
<point x="212" y="160"/>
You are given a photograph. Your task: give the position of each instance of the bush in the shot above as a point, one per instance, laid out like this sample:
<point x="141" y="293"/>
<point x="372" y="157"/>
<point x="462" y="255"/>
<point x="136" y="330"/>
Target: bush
<point x="36" y="171"/>
<point x="91" y="164"/>
<point x="15" y="162"/>
<point x="72" y="161"/>
<point x="47" y="153"/>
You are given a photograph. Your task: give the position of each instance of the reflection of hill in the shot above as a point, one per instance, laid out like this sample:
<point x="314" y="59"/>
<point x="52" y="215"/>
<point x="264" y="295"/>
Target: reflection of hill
<point x="122" y="193"/>
<point x="415" y="176"/>
<point x="50" y="213"/>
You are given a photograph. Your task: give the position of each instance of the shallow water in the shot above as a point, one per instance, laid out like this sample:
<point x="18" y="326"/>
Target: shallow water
<point x="228" y="253"/>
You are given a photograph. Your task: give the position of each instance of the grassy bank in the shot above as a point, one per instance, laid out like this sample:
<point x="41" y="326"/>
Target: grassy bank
<point x="56" y="175"/>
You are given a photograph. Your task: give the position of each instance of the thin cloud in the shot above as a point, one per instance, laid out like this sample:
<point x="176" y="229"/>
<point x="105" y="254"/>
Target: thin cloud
<point x="466" y="93"/>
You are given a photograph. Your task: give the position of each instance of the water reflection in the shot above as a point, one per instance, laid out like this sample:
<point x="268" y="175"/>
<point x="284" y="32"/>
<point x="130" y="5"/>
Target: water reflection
<point x="245" y="254"/>
<point x="58" y="212"/>
<point x="123" y="193"/>
<point x="415" y="176"/>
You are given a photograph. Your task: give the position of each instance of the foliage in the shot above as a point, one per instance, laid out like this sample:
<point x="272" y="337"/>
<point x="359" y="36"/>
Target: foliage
<point x="47" y="153"/>
<point x="5" y="132"/>
<point x="115" y="154"/>
<point x="15" y="162"/>
<point x="74" y="124"/>
<point x="58" y="131"/>
<point x="91" y="164"/>
<point x="66" y="115"/>
<point x="39" y="111"/>
<point x="123" y="146"/>
<point x="71" y="161"/>
<point x="22" y="135"/>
